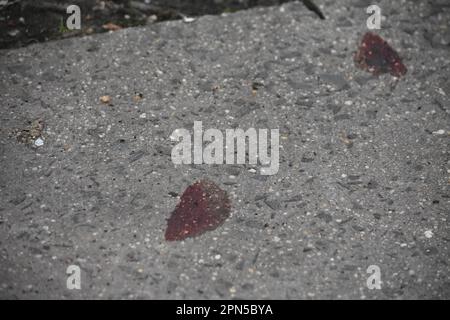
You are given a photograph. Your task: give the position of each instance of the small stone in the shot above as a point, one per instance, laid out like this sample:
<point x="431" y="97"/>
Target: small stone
<point x="39" y="142"/>
<point x="188" y="19"/>
<point x="138" y="97"/>
<point x="153" y="18"/>
<point x="325" y="217"/>
<point x="439" y="132"/>
<point x="111" y="26"/>
<point x="273" y="204"/>
<point x="105" y="99"/>
<point x="13" y="33"/>
<point x="428" y="234"/>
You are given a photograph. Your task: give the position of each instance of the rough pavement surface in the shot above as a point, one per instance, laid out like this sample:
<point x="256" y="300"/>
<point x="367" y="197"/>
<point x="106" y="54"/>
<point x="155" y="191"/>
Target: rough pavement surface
<point x="364" y="161"/>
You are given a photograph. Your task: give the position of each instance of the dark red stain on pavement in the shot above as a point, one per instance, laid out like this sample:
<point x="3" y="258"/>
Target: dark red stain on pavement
<point x="375" y="55"/>
<point x="203" y="207"/>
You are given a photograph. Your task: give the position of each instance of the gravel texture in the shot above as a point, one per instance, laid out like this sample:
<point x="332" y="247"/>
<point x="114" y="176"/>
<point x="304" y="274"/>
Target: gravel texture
<point x="364" y="161"/>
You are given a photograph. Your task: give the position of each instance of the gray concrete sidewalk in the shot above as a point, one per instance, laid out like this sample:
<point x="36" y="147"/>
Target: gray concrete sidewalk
<point x="364" y="161"/>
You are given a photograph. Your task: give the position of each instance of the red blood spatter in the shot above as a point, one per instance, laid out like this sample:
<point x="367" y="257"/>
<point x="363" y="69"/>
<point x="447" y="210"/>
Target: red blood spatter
<point x="203" y="207"/>
<point x="376" y="56"/>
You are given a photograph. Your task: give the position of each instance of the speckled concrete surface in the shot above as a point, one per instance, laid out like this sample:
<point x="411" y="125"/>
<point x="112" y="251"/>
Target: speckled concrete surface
<point x="364" y="161"/>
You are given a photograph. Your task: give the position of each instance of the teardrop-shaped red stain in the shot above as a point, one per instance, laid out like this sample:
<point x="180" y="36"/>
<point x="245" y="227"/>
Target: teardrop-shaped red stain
<point x="375" y="55"/>
<point x="203" y="207"/>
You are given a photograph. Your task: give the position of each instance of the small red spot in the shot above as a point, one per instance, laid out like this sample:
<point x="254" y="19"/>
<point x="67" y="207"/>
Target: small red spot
<point x="375" y="55"/>
<point x="203" y="207"/>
